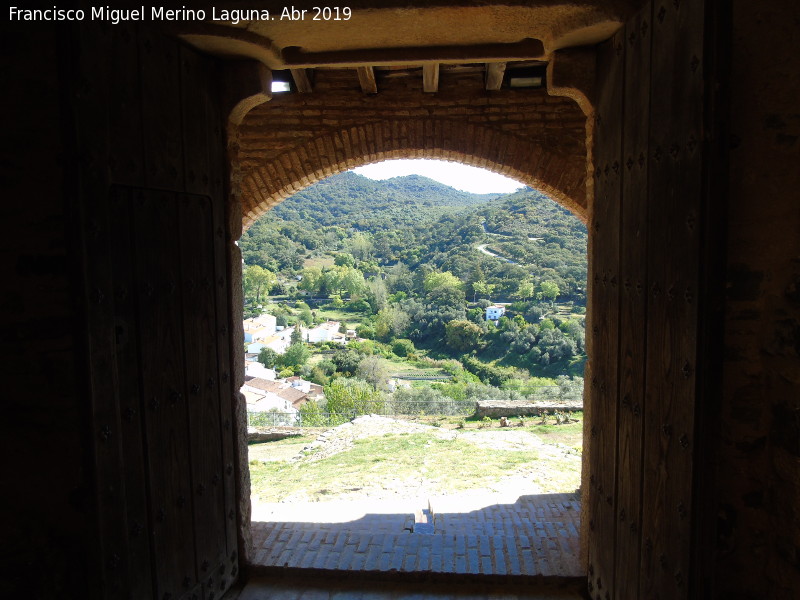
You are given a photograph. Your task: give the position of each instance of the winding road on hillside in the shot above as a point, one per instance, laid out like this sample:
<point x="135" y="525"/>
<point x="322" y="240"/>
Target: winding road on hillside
<point x="482" y="248"/>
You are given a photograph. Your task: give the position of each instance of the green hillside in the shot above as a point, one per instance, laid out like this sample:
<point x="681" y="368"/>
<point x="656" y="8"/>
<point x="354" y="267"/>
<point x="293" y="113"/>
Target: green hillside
<point x="414" y="260"/>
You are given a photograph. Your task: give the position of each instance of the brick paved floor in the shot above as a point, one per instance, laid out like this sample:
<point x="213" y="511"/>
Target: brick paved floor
<point x="261" y="588"/>
<point x="465" y="534"/>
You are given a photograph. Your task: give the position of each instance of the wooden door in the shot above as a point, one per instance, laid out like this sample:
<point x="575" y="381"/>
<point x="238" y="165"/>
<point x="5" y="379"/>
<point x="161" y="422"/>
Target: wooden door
<point x="157" y="297"/>
<point x="648" y="285"/>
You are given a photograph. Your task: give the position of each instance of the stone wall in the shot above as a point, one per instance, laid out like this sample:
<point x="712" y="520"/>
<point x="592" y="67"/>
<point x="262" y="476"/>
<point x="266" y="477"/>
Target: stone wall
<point x="297" y="139"/>
<point x="506" y="408"/>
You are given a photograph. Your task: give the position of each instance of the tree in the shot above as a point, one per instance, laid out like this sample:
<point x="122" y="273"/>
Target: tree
<point x="267" y="357"/>
<point x="377" y="294"/>
<point x="391" y="320"/>
<point x="305" y="316"/>
<point x="525" y="290"/>
<point x="403" y="347"/>
<point x="297" y="335"/>
<point x="351" y="397"/>
<point x="463" y="335"/>
<point x="438" y="280"/>
<point x="360" y="246"/>
<point x="344" y="259"/>
<point x="347" y="361"/>
<point x="374" y="370"/>
<point x="482" y="289"/>
<point x="296" y="355"/>
<point x="258" y="281"/>
<point x="332" y="280"/>
<point x="549" y="290"/>
<point x="311" y="281"/>
<point x="399" y="278"/>
<point x="353" y="281"/>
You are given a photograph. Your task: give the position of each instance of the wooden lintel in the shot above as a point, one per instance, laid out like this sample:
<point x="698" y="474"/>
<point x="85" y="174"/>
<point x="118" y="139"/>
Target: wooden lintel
<point x="430" y="77"/>
<point x="302" y="81"/>
<point x="527" y="49"/>
<point x="494" y="75"/>
<point x="366" y="77"/>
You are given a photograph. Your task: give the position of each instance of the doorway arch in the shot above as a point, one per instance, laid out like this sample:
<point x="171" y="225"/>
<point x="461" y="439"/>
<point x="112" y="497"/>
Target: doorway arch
<point x="560" y="176"/>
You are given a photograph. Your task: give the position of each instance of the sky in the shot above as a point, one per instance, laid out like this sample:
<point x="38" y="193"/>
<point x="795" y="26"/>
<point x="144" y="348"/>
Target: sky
<point x="461" y="177"/>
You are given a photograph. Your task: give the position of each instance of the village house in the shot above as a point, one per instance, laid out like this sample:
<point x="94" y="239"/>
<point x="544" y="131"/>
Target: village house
<point x="325" y="332"/>
<point x="259" y="328"/>
<point x="314" y="390"/>
<point x="494" y="312"/>
<point x="278" y="341"/>
<point x="281" y="397"/>
<point x="253" y="368"/>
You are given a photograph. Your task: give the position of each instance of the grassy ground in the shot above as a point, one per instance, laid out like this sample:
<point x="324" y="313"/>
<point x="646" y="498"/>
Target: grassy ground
<point x="336" y="314"/>
<point x="321" y="261"/>
<point x="391" y="459"/>
<point x="417" y="460"/>
<point x="280" y="450"/>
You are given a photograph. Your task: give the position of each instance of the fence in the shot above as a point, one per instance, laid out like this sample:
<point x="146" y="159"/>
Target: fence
<point x="392" y="408"/>
<point x="550" y="393"/>
<point x="389" y="408"/>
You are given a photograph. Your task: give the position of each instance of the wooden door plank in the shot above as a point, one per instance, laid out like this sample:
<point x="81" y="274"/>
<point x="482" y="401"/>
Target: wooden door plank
<point x="604" y="298"/>
<point x="126" y="155"/>
<point x="633" y="303"/>
<point x="110" y="557"/>
<point x="161" y="110"/>
<point x="673" y="266"/>
<point x="201" y="329"/>
<point x="131" y="402"/>
<point x="194" y="101"/>
<point x="233" y="440"/>
<point x="157" y="253"/>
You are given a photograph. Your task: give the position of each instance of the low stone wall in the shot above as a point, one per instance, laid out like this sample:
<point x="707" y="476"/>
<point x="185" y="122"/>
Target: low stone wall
<point x="510" y="408"/>
<point x="271" y="434"/>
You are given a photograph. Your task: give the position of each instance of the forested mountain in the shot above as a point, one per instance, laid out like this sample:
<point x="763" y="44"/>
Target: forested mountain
<point x="418" y="261"/>
<point x="416" y="221"/>
<point x="351" y="200"/>
<point x="326" y="214"/>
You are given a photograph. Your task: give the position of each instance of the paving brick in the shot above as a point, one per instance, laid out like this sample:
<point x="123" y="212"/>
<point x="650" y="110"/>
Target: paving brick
<point x="398" y="555"/>
<point x="322" y="557"/>
<point x="424" y="558"/>
<point x="460" y="542"/>
<point x="372" y="558"/>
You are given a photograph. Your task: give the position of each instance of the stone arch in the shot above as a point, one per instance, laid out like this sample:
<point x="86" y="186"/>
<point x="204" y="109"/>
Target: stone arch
<point x="561" y="176"/>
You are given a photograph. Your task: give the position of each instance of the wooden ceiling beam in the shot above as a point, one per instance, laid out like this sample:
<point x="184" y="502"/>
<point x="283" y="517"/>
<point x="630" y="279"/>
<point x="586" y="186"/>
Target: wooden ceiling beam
<point x="302" y="81"/>
<point x="494" y="75"/>
<point x="527" y="49"/>
<point x="366" y="77"/>
<point x="430" y="77"/>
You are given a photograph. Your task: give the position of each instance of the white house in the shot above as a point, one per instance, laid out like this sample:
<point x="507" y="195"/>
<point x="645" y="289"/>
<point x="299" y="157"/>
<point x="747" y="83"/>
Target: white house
<point x="259" y="328"/>
<point x="278" y="341"/>
<point x="280" y="396"/>
<point x="494" y="312"/>
<point x="326" y="332"/>
<point x="256" y="369"/>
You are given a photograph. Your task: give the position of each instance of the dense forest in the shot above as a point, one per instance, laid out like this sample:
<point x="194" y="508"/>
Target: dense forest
<point x="412" y="264"/>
